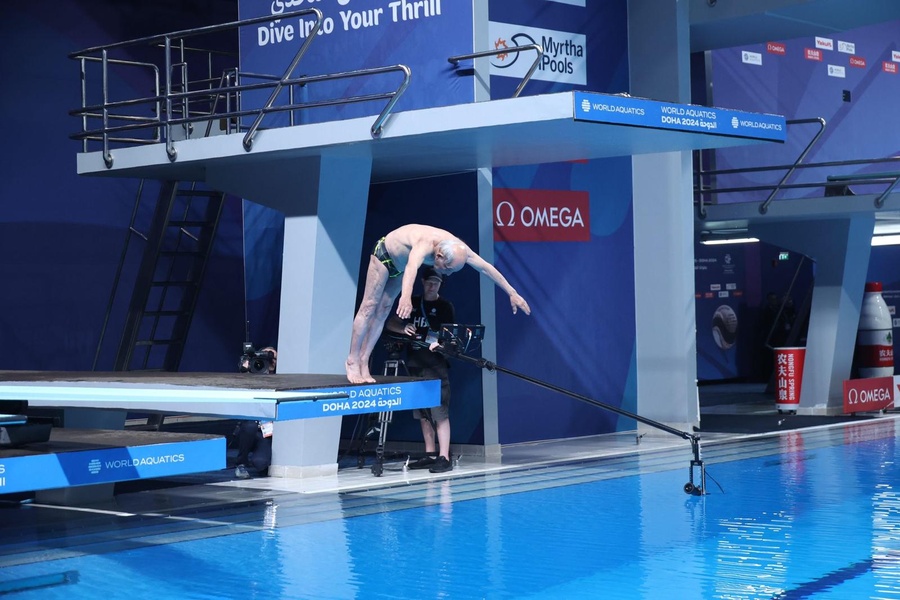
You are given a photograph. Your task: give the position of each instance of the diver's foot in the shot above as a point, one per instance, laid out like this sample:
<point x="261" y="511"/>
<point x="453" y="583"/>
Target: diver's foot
<point x="353" y="374"/>
<point x="366" y="376"/>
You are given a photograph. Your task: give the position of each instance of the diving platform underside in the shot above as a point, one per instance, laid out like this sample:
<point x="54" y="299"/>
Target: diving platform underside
<point x="547" y="128"/>
<point x="235" y="395"/>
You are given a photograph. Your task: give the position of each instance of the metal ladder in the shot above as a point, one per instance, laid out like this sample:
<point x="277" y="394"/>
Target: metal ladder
<point x="165" y="274"/>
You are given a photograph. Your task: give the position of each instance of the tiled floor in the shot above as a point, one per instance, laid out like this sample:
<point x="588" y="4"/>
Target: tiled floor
<point x="514" y="457"/>
<point x="728" y="399"/>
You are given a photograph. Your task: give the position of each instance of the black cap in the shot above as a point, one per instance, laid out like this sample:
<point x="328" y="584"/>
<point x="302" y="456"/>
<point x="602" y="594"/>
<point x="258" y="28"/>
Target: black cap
<point x="431" y="274"/>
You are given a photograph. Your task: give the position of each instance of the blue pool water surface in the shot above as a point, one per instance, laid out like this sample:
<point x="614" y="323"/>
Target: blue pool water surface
<point x="803" y="515"/>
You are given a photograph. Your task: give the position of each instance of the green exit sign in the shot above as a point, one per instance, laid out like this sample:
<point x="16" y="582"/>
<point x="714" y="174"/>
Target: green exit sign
<point x="784" y="256"/>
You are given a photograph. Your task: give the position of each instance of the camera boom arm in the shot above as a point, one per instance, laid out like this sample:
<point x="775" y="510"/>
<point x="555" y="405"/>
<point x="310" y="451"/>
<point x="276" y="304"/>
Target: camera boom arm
<point x="451" y="346"/>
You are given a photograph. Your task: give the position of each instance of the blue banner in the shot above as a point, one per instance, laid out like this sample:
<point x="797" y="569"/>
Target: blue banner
<point x="354" y="35"/>
<point x="625" y="110"/>
<point x="378" y="397"/>
<point x="108" y="465"/>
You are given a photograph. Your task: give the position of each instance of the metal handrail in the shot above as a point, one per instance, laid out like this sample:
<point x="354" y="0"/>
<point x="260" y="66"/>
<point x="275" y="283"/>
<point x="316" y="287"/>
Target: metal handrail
<point x="129" y="63"/>
<point x="537" y="60"/>
<point x="858" y="178"/>
<point x="892" y="179"/>
<point x="266" y="85"/>
<point x="118" y="277"/>
<point x="789" y="169"/>
<point x="115" y="118"/>
<point x="764" y="207"/>
<point x="377" y="126"/>
<point x="830" y="180"/>
<point x="223" y="83"/>
<point x="248" y="137"/>
<point x="828" y="163"/>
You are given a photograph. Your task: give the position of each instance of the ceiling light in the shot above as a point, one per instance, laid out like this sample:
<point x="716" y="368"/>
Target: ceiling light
<point x="886" y="240"/>
<point x="733" y="240"/>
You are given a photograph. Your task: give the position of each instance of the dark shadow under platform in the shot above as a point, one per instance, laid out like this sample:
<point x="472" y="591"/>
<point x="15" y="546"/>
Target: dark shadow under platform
<point x="770" y="422"/>
<point x="737" y="407"/>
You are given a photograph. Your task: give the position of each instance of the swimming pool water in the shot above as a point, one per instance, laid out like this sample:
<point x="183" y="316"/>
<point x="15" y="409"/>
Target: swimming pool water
<point x="804" y="516"/>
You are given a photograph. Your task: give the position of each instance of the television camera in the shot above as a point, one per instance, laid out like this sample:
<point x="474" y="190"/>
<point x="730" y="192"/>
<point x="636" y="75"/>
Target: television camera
<point x="256" y="361"/>
<point x="461" y="338"/>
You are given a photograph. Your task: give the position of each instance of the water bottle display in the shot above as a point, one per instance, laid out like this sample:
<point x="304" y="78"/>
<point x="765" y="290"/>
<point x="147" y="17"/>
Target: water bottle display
<point x="875" y="338"/>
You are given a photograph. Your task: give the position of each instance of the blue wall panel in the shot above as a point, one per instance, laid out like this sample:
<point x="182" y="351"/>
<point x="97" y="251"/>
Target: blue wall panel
<point x="61" y="235"/>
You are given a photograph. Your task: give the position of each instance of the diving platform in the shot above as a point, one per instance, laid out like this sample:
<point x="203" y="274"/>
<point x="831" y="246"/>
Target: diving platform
<point x="74" y="457"/>
<point x="558" y="127"/>
<point x="86" y="457"/>
<point x="233" y="395"/>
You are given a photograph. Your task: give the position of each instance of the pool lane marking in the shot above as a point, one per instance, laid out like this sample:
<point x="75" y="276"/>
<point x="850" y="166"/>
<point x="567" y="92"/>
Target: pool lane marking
<point x="827" y="581"/>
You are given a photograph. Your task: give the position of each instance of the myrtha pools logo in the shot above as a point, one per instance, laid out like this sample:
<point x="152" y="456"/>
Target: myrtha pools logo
<point x="563" y="58"/>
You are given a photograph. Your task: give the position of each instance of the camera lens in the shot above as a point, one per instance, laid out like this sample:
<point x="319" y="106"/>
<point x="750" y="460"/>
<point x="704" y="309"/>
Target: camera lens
<point x="259" y="365"/>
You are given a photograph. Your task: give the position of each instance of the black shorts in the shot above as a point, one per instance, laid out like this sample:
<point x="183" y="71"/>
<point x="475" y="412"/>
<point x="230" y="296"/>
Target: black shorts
<point x="442" y="372"/>
<point x="381" y="253"/>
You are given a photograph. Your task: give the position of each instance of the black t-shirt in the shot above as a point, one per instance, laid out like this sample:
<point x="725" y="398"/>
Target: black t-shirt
<point x="430" y="315"/>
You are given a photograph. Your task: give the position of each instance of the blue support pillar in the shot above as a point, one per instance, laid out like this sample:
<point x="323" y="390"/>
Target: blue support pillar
<point x="840" y="249"/>
<point x="324" y="200"/>
<point x="665" y="321"/>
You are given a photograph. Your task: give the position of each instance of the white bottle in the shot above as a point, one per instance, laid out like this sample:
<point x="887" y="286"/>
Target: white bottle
<point x="875" y="338"/>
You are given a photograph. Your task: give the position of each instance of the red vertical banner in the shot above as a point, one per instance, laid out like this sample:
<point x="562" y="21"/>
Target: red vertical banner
<point x="788" y="377"/>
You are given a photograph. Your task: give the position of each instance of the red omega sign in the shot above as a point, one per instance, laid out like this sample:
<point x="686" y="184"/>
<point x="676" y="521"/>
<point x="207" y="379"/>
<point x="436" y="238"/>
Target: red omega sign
<point x="541" y="215"/>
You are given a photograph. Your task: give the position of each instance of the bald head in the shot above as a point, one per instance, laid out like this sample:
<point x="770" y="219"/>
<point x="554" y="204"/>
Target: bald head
<point x="450" y="256"/>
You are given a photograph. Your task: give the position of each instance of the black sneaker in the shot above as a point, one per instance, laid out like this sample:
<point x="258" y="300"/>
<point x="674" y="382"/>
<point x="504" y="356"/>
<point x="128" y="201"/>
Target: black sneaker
<point x="441" y="465"/>
<point x="422" y="463"/>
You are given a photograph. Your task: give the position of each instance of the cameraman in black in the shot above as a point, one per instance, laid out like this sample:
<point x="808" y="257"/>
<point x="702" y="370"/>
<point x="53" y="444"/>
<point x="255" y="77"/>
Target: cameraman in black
<point x="430" y="311"/>
<point x="254" y="438"/>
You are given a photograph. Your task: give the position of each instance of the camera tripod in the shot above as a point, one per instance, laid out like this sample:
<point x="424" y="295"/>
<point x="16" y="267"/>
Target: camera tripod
<point x="452" y="345"/>
<point x="394" y="366"/>
<point x="391" y="369"/>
